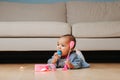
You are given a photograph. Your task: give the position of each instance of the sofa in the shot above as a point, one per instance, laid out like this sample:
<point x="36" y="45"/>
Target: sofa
<point x="33" y="27"/>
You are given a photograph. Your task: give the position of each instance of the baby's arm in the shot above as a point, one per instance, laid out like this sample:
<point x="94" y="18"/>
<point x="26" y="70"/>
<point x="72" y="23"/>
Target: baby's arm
<point x="74" y="62"/>
<point x="69" y="64"/>
<point x="54" y="59"/>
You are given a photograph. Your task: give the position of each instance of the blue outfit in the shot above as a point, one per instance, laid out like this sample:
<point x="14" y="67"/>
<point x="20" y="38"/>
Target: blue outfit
<point x="74" y="58"/>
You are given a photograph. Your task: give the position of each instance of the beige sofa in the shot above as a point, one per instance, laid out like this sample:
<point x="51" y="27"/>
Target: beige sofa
<point x="31" y="27"/>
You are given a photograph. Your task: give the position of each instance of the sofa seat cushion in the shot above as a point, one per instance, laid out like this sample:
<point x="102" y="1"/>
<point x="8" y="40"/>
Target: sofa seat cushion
<point x="28" y="44"/>
<point x="97" y="29"/>
<point x="34" y="29"/>
<point x="98" y="44"/>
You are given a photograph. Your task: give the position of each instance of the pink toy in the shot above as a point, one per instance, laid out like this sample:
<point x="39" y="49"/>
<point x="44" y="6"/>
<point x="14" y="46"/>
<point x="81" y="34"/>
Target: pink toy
<point x="41" y="67"/>
<point x="44" y="67"/>
<point x="71" y="46"/>
<point x="65" y="67"/>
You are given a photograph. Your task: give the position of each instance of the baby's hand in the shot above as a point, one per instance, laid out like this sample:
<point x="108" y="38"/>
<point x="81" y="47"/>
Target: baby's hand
<point x="55" y="58"/>
<point x="69" y="64"/>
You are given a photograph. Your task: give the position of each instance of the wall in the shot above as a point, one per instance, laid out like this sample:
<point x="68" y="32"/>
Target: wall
<point x="50" y="1"/>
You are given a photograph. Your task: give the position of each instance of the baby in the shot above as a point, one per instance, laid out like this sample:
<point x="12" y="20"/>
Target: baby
<point x="63" y="45"/>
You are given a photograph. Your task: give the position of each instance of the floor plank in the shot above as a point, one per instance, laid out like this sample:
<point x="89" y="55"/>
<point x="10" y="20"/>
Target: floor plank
<point x="97" y="71"/>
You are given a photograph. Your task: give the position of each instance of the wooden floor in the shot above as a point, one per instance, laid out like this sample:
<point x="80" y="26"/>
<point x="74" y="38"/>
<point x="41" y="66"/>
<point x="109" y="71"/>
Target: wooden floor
<point x="97" y="71"/>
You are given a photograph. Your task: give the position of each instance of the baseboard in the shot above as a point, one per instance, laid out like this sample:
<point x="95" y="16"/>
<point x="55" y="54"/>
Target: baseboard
<point x="43" y="56"/>
<point x="102" y="56"/>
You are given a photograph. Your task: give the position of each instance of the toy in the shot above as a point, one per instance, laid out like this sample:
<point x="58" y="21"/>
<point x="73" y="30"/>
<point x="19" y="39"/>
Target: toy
<point x="59" y="52"/>
<point x="71" y="46"/>
<point x="44" y="67"/>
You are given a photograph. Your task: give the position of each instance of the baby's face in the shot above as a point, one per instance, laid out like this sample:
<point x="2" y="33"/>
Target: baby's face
<point x="63" y="45"/>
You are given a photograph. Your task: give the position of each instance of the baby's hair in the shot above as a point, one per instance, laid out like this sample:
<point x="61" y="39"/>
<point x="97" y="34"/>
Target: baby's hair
<point x="71" y="37"/>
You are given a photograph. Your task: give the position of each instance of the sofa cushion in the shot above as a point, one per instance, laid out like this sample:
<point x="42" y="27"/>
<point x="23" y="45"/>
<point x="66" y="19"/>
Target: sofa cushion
<point x="78" y="11"/>
<point x="28" y="44"/>
<point x="34" y="29"/>
<point x="11" y="11"/>
<point x="97" y="29"/>
<point x="98" y="44"/>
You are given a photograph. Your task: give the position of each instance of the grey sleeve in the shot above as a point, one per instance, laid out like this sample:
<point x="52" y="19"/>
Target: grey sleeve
<point x="50" y="61"/>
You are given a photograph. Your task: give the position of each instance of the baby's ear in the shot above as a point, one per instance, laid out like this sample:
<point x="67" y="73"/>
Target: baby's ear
<point x="72" y="43"/>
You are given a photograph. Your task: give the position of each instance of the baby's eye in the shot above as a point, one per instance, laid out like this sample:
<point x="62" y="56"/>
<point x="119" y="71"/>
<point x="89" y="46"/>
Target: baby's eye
<point x="57" y="44"/>
<point x="63" y="45"/>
